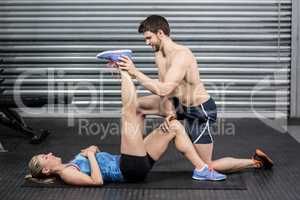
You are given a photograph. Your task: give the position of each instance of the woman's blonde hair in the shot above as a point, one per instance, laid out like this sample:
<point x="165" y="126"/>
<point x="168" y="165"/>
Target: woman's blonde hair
<point x="36" y="172"/>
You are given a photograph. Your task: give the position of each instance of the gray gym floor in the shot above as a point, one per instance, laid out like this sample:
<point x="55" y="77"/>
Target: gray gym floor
<point x="235" y="137"/>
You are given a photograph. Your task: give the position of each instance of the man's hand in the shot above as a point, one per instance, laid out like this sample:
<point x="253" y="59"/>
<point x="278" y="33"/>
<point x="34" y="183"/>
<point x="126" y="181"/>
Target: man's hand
<point x="127" y="64"/>
<point x="165" y="126"/>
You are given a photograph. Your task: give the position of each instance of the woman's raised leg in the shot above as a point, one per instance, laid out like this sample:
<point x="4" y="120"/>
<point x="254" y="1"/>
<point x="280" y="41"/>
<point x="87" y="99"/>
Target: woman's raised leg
<point x="132" y="132"/>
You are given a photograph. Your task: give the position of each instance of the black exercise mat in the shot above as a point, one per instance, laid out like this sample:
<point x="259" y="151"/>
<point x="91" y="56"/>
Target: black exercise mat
<point x="164" y="180"/>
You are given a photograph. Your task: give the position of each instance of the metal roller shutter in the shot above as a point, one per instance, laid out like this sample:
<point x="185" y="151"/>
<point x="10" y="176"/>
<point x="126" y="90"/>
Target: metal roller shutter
<point x="242" y="47"/>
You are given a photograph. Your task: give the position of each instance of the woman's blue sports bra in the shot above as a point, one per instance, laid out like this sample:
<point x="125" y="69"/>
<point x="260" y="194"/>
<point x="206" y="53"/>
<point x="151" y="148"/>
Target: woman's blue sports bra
<point x="109" y="166"/>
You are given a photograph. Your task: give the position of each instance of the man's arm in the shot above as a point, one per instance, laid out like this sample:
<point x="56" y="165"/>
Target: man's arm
<point x="168" y="107"/>
<point x="172" y="79"/>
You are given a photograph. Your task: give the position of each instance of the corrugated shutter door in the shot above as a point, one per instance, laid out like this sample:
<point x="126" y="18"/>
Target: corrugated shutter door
<point x="242" y="47"/>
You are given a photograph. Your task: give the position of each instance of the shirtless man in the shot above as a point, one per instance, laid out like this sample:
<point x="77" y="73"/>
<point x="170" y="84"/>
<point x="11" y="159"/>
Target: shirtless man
<point x="180" y="92"/>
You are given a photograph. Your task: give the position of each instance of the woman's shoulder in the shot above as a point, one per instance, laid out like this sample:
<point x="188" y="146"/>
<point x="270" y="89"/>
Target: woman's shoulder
<point x="72" y="165"/>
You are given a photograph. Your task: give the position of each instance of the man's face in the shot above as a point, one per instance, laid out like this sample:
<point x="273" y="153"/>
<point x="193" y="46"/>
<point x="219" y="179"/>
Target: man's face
<point x="152" y="40"/>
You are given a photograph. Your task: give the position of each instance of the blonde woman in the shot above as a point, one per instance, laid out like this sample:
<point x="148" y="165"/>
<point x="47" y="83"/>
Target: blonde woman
<point x="138" y="155"/>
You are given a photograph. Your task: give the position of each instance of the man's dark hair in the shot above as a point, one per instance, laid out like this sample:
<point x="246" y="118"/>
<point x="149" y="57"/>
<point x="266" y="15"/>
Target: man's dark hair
<point x="153" y="23"/>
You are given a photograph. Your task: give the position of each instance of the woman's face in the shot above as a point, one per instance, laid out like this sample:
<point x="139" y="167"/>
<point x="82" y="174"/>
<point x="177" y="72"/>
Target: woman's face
<point x="48" y="161"/>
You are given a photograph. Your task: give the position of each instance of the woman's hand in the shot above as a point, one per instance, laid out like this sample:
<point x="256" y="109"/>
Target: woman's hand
<point x="93" y="149"/>
<point x="90" y="153"/>
<point x="87" y="152"/>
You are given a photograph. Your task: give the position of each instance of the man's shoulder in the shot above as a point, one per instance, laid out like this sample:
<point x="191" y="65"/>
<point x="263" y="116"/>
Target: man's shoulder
<point x="158" y="54"/>
<point x="183" y="51"/>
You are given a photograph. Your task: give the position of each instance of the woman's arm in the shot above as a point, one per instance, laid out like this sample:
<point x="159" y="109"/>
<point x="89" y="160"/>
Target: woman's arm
<point x="72" y="176"/>
<point x="95" y="169"/>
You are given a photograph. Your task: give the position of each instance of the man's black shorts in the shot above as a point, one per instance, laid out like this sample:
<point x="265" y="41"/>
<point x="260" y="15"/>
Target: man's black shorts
<point x="198" y="120"/>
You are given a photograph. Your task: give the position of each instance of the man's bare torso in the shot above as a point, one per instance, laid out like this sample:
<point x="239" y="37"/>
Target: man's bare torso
<point x="190" y="91"/>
